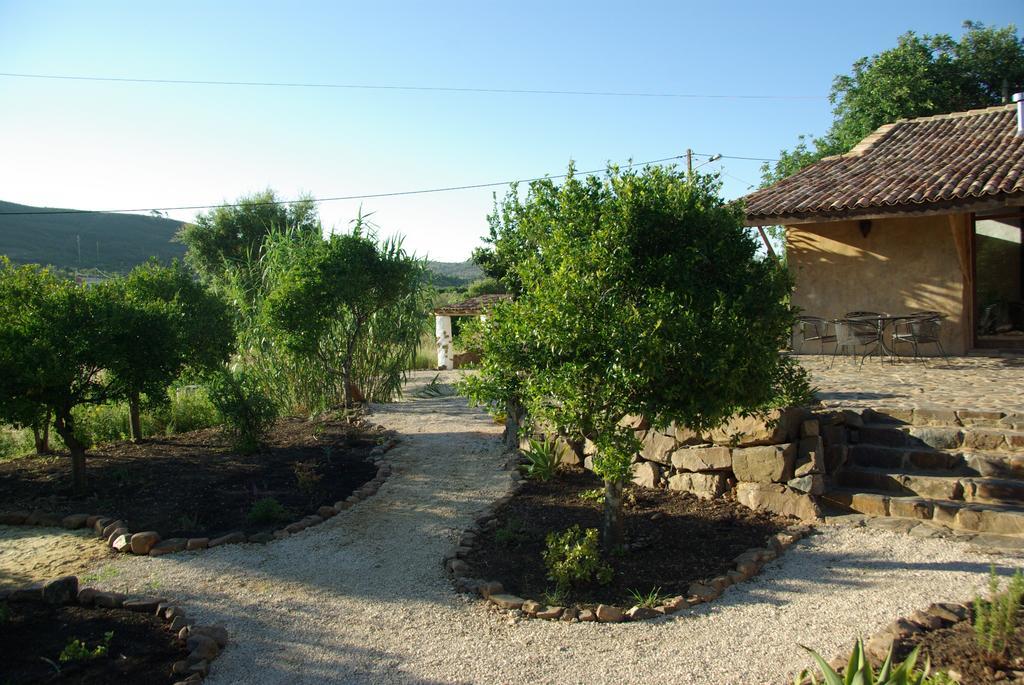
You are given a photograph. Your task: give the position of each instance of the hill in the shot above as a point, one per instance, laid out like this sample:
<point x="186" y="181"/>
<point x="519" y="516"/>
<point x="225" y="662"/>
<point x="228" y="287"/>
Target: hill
<point x="108" y="242"/>
<point x="454" y="274"/>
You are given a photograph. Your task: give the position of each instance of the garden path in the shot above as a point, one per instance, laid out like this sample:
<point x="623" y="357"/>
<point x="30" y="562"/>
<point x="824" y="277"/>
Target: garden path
<point x="29" y="554"/>
<point x="363" y="597"/>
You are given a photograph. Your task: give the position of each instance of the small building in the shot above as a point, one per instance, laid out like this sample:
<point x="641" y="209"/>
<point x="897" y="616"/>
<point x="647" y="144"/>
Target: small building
<point x="923" y="214"/>
<point x="474" y="306"/>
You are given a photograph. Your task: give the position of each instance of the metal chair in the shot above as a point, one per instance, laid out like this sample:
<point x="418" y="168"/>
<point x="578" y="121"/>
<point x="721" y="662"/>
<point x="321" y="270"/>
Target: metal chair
<point x="813" y="328"/>
<point x="851" y="334"/>
<point x="920" y="330"/>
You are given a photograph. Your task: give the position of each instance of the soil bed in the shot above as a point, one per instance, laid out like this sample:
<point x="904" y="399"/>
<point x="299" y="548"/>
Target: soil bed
<point x="955" y="648"/>
<point x="194" y="484"/>
<point x="141" y="650"/>
<point x="675" y="539"/>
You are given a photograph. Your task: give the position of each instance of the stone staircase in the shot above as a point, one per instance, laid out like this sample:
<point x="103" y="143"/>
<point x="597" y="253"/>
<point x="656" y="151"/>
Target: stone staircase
<point x="963" y="470"/>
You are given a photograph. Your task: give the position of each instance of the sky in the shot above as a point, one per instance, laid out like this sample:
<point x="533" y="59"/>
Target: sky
<point x="106" y="145"/>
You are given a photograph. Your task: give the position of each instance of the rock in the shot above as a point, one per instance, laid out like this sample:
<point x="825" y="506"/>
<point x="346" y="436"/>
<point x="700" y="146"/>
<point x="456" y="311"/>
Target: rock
<point x="531" y="607"/>
<point x="810" y="457"/>
<point x="457" y="567"/>
<point x="748" y="569"/>
<point x="74" y="521"/>
<point x="777" y="499"/>
<point x="607" y="613"/>
<point x="218" y="633"/>
<point x="197" y="543"/>
<point x="142" y="606"/>
<point x="90" y="521"/>
<point x="201" y="668"/>
<point x="229" y="539"/>
<point x="506" y="601"/>
<point x="201" y="647"/>
<point x="657" y="447"/>
<point x="772" y="428"/>
<point x="180" y="667"/>
<point x="342" y="505"/>
<point x="674" y="604"/>
<point x="102" y="523"/>
<point x="705" y="593"/>
<point x="122" y="543"/>
<point x="720" y="583"/>
<point x="810" y="428"/>
<point x="86" y="596"/>
<point x="178" y="623"/>
<point x="766" y="464"/>
<point x="638" y="613"/>
<point x="950" y="612"/>
<point x="118" y="532"/>
<point x="925" y="620"/>
<point x="109" y="529"/>
<point x="877" y="648"/>
<point x="490" y="587"/>
<point x="703" y="459"/>
<point x="550" y="613"/>
<point x="704" y="485"/>
<point x="811" y="484"/>
<point x="259" y="538"/>
<point x="168" y="547"/>
<point x="143" y="542"/>
<point x="63" y="590"/>
<point x="587" y="615"/>
<point x="735" y="577"/>
<point x="326" y="512"/>
<point x="570" y="614"/>
<point x="646" y="474"/>
<point x="108" y="600"/>
<point x="13" y="518"/>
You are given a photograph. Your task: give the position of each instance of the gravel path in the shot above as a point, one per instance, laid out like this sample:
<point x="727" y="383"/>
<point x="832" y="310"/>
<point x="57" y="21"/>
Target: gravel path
<point x="362" y="598"/>
<point x="29" y="554"/>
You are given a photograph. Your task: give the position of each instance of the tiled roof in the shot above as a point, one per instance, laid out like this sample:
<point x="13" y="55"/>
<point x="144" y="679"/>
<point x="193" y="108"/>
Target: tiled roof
<point x="473" y="306"/>
<point x="911" y="165"/>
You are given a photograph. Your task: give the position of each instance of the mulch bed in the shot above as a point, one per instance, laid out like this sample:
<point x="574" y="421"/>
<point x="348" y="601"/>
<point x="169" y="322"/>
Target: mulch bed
<point x="955" y="648"/>
<point x="194" y="484"/>
<point x="141" y="650"/>
<point x="681" y="538"/>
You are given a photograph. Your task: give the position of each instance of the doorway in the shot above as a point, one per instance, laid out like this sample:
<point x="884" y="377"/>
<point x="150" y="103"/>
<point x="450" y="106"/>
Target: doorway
<point x="999" y="279"/>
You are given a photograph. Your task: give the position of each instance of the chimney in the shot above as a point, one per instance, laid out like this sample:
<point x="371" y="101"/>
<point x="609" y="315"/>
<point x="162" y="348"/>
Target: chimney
<point x="1019" y="99"/>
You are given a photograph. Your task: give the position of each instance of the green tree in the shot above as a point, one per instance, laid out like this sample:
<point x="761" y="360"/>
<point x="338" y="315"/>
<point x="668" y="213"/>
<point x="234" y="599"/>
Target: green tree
<point x="202" y="332"/>
<point x="923" y="75"/>
<point x="224" y="238"/>
<point x="58" y="342"/>
<point x="351" y="299"/>
<point x="642" y="295"/>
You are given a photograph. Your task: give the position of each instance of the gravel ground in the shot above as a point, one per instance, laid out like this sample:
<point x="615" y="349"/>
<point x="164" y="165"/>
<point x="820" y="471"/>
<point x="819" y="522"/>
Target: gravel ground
<point x="363" y="599"/>
<point x="29" y="554"/>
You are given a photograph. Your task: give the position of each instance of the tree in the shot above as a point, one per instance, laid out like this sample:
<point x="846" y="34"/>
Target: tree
<point x="225" y="237"/>
<point x="202" y="333"/>
<point x="58" y="342"/>
<point x="642" y="295"/>
<point x="337" y="295"/>
<point x="923" y="75"/>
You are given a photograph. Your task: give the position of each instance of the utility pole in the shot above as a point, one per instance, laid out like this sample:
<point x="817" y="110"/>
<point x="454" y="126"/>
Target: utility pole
<point x="689" y="161"/>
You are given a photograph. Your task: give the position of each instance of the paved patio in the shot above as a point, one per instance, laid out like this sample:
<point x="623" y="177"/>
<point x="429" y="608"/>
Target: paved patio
<point x="985" y="383"/>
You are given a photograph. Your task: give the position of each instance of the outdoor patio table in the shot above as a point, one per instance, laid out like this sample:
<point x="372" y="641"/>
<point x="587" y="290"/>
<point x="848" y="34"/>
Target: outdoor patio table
<point x="882" y="322"/>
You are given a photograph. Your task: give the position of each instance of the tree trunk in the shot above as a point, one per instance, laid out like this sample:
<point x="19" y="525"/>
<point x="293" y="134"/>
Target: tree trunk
<point x="41" y="435"/>
<point x="513" y="420"/>
<point x="65" y="425"/>
<point x="611" y="531"/>
<point x="133" y="415"/>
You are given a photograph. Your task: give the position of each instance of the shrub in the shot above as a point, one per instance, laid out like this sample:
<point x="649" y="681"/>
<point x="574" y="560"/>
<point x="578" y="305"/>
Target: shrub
<point x="573" y="558"/>
<point x="306" y="476"/>
<point x="76" y="650"/>
<point x="15" y="442"/>
<point x="858" y="670"/>
<point x="995" y="618"/>
<point x="190" y="409"/>
<point x="267" y="510"/>
<point x="544" y="457"/>
<point x="511" y="534"/>
<point x="248" y="413"/>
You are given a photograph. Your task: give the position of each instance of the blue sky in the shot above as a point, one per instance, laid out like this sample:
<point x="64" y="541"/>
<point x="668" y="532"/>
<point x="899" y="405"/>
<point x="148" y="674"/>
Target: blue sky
<point x="93" y="145"/>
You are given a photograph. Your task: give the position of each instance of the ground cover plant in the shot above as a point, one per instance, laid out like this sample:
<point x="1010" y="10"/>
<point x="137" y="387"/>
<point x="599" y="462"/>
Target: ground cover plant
<point x="677" y="539"/>
<point x="72" y="644"/>
<point x="198" y="485"/>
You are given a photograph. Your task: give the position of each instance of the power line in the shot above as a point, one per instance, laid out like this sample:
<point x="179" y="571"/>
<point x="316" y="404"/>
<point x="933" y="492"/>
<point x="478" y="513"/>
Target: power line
<point x="368" y="196"/>
<point x="439" y="89"/>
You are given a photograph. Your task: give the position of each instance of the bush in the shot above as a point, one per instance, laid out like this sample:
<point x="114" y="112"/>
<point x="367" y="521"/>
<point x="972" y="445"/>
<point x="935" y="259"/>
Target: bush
<point x="858" y="670"/>
<point x="544" y="457"/>
<point x="190" y="409"/>
<point x="995" y="618"/>
<point x="76" y="650"/>
<point x="573" y="558"/>
<point x="15" y="442"/>
<point x="248" y="413"/>
<point x="267" y="510"/>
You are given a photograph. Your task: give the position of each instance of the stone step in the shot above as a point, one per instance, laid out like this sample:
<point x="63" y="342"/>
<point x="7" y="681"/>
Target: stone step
<point x="923" y="438"/>
<point x="976" y="517"/>
<point x="933" y="486"/>
<point x="937" y="462"/>
<point x="942" y="416"/>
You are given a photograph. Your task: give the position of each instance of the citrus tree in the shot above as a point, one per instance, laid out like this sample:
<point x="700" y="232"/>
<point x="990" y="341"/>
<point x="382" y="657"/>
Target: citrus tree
<point x="641" y="294"/>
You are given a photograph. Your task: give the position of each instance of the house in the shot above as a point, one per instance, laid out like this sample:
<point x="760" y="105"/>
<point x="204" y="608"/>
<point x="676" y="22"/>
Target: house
<point x="923" y="214"/>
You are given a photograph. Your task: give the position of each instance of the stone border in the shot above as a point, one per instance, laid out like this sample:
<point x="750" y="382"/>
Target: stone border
<point x="203" y="642"/>
<point x="747" y="565"/>
<point x="118" y="537"/>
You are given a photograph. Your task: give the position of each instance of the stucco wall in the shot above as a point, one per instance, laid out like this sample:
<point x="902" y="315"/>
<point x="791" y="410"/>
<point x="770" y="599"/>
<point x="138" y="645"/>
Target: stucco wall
<point x="902" y="265"/>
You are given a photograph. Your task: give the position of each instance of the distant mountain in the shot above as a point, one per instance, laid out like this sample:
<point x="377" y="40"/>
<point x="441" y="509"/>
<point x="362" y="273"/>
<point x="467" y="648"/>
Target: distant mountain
<point x="454" y="274"/>
<point x="108" y="242"/>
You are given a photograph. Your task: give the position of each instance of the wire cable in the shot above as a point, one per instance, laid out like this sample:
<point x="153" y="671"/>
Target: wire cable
<point x="439" y="89"/>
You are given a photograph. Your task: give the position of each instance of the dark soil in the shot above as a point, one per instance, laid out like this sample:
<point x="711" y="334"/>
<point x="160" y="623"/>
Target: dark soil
<point x="194" y="484"/>
<point x="955" y="648"/>
<point x="682" y="539"/>
<point x="141" y="650"/>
